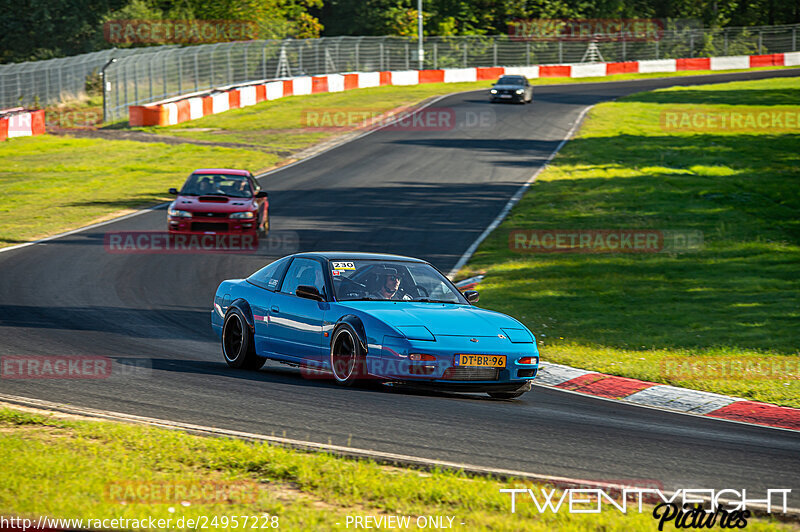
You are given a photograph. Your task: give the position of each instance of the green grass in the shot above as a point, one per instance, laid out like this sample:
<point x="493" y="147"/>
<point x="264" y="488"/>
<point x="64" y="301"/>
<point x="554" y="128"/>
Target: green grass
<point x="629" y="314"/>
<point x="69" y="469"/>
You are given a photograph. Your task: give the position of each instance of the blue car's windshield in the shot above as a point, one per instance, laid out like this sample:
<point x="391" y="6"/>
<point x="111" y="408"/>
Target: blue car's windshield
<point x="391" y="280"/>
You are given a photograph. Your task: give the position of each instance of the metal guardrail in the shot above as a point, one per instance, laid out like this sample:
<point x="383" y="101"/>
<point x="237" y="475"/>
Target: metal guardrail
<point x="144" y="75"/>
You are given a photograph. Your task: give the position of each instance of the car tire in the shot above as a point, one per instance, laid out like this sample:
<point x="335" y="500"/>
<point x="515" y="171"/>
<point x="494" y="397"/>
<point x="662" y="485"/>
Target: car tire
<point x="238" y="347"/>
<point x="347" y="357"/>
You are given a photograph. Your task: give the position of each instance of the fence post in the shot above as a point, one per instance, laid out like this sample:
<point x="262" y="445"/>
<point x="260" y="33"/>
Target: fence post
<point x="381" y="50"/>
<point x="691" y="44"/>
<point x="760" y="42"/>
<point x="435" y="56"/>
<point x="794" y="39"/>
<point x="407" y="65"/>
<point x="465" y="53"/>
<point x="150" y="75"/>
<point x="624" y="48"/>
<point x="527" y="53"/>
<point x="560" y="51"/>
<point x="725" y="41"/>
<point x="264" y="60"/>
<point x="494" y="52"/>
<point x="230" y="72"/>
<point x="180" y="75"/>
<point x="164" y="75"/>
<point x="357" y="42"/>
<point x="136" y="81"/>
<point x="657" y="49"/>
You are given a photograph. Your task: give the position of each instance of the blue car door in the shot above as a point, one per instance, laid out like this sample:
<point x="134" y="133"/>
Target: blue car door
<point x="295" y="323"/>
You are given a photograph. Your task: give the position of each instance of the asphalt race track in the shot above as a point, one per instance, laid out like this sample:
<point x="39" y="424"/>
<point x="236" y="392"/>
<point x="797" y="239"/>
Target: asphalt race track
<point x="422" y="193"/>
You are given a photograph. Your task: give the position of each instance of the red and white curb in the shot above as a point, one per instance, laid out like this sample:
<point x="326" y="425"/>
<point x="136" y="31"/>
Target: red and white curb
<point x="667" y="397"/>
<point x="192" y="106"/>
<point x="20" y="122"/>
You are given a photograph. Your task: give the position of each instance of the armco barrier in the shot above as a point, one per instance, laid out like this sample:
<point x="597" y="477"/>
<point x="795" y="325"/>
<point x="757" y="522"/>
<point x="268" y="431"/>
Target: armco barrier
<point x="175" y="111"/>
<point x="19" y="122"/>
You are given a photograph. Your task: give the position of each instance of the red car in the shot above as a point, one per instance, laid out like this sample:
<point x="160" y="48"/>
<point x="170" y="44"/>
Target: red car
<point x="217" y="200"/>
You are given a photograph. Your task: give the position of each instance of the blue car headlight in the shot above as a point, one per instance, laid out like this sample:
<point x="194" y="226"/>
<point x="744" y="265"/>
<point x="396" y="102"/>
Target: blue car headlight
<point x="518" y="336"/>
<point x="417" y="332"/>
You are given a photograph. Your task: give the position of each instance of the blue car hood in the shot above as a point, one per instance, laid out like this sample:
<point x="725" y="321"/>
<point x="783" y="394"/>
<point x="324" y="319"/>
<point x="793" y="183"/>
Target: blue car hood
<point x="440" y="319"/>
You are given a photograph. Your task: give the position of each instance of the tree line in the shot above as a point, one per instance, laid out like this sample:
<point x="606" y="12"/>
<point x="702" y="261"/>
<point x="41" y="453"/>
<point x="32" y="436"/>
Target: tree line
<point x="42" y="29"/>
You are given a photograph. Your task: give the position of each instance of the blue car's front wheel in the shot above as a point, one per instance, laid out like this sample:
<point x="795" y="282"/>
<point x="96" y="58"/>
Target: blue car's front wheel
<point x="347" y="356"/>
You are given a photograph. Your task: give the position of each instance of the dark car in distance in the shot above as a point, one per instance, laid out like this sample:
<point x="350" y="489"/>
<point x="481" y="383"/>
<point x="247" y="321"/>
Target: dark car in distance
<point x="512" y="88"/>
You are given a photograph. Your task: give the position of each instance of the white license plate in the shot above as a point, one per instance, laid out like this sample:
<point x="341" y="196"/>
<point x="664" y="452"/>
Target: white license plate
<point x="505" y="96"/>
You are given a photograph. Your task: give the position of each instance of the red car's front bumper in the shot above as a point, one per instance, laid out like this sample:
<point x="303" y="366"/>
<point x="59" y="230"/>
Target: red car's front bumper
<point x="211" y="225"/>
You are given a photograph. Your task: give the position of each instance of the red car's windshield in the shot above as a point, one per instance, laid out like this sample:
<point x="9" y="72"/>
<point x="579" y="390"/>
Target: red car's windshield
<point x="235" y="186"/>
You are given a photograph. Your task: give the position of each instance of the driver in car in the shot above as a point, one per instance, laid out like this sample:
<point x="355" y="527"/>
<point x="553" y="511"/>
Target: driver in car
<point x="390" y="286"/>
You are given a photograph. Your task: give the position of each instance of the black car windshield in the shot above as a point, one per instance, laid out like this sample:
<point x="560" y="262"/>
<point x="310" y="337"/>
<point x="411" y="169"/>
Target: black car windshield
<point x="391" y="280"/>
<point x="235" y="186"/>
<point x="511" y="80"/>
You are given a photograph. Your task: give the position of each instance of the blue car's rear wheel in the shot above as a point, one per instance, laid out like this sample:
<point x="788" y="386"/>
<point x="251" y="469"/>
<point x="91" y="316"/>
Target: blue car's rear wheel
<point x="238" y="347"/>
<point x="347" y="356"/>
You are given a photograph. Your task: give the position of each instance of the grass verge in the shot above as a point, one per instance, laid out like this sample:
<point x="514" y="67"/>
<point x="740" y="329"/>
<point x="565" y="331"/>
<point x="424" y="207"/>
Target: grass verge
<point x="85" y="470"/>
<point x="637" y="315"/>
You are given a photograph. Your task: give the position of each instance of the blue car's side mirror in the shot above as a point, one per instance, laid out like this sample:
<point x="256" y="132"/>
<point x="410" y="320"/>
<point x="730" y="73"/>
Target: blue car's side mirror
<point x="472" y="296"/>
<point x="308" y="292"/>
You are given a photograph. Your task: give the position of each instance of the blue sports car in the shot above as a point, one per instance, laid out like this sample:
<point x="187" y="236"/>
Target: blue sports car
<point x="372" y="316"/>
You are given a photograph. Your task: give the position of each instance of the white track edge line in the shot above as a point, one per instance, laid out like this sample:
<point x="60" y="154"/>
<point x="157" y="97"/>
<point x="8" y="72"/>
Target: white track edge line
<point x="516" y="197"/>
